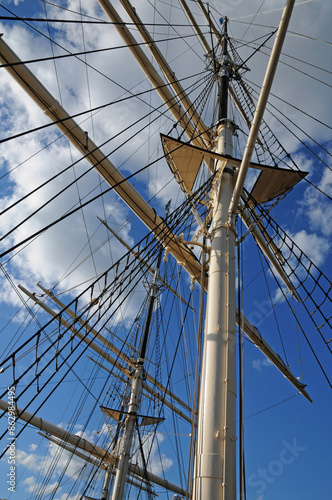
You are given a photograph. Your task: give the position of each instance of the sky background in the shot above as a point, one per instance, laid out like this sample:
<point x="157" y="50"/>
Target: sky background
<point x="287" y="439"/>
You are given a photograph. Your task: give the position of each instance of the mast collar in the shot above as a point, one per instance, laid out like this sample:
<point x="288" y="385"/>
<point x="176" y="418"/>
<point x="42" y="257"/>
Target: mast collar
<point x="226" y="122"/>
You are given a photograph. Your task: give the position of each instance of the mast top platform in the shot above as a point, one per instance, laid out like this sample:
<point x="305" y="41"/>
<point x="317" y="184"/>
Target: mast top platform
<point x="185" y="160"/>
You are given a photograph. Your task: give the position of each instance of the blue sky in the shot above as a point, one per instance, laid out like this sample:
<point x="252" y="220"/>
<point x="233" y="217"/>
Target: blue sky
<point x="287" y="439"/>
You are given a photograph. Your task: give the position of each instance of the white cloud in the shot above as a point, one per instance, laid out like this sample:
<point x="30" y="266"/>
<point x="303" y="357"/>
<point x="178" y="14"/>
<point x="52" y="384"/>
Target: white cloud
<point x="315" y="247"/>
<point x="279" y="295"/>
<point x="159" y="463"/>
<point x="56" y="460"/>
<point x="303" y="162"/>
<point x="316" y="207"/>
<point x="88" y="435"/>
<point x="31" y="485"/>
<point x="258" y="364"/>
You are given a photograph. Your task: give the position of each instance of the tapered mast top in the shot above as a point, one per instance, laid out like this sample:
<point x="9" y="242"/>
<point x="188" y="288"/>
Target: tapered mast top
<point x="224" y="74"/>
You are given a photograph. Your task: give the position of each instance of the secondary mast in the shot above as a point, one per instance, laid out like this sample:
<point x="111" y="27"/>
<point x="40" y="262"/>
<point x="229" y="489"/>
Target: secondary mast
<point x="135" y="391"/>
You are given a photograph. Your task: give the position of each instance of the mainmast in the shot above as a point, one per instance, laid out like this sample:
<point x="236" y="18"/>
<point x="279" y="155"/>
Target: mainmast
<point x="214" y="476"/>
<point x="215" y="460"/>
<point x="224" y="74"/>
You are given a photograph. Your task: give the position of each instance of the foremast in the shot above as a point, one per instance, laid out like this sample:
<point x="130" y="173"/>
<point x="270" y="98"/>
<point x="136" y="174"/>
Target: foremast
<point x="135" y="392"/>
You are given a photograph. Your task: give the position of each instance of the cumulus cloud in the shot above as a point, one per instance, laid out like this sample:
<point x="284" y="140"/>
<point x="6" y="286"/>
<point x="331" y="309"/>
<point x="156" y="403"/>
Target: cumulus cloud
<point x="314" y="246"/>
<point x="158" y="461"/>
<point x="316" y="207"/>
<point x="259" y="364"/>
<point x="31" y="485"/>
<point x="52" y="461"/>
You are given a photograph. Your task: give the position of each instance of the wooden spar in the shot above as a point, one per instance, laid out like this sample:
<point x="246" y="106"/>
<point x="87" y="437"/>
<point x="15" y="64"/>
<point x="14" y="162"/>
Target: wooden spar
<point x="93" y="449"/>
<point x="158" y="83"/>
<point x="96" y="157"/>
<point x="195" y="26"/>
<point x="102" y="352"/>
<point x="253" y="221"/>
<point x="164" y="66"/>
<point x="209" y="21"/>
<point x="245" y="216"/>
<point x="81" y="443"/>
<point x="109" y="345"/>
<point x="269" y="76"/>
<point x="72" y="449"/>
<point x="264" y="347"/>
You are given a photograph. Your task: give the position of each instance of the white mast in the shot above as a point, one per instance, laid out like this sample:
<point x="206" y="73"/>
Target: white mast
<point x="215" y="460"/>
<point x="216" y="427"/>
<point x="214" y="477"/>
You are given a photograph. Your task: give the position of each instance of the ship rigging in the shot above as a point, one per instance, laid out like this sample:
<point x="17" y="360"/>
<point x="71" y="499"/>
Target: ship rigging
<point x="190" y="253"/>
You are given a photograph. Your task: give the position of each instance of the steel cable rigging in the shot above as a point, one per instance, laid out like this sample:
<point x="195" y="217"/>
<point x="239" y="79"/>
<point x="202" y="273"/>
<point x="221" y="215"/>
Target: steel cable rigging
<point x="133" y="269"/>
<point x="267" y="138"/>
<point x="69" y="185"/>
<point x="313" y="286"/>
<point x="82" y="21"/>
<point x="301" y="35"/>
<point x="103" y="106"/>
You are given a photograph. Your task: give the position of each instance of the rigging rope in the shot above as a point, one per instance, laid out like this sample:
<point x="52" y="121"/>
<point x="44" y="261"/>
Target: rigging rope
<point x="81" y="205"/>
<point x="119" y="286"/>
<point x="314" y="287"/>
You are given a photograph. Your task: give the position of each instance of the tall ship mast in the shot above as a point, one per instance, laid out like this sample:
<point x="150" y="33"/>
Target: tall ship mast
<point x="153" y="306"/>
